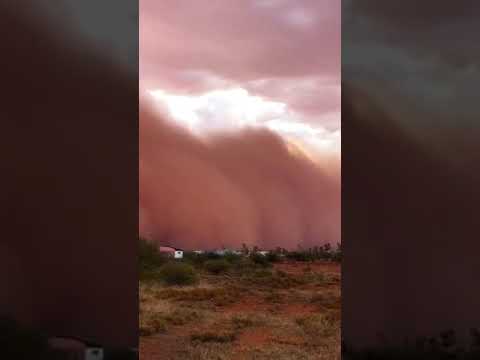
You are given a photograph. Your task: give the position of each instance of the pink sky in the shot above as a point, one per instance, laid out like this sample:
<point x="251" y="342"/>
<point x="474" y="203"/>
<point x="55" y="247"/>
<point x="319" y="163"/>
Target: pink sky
<point x="227" y="63"/>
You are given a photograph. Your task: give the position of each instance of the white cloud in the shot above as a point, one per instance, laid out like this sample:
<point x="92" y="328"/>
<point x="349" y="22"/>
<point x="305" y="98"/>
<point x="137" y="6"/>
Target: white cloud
<point x="220" y="109"/>
<point x="235" y="108"/>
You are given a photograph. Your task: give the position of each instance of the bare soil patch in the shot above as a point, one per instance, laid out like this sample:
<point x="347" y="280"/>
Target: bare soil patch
<point x="289" y="311"/>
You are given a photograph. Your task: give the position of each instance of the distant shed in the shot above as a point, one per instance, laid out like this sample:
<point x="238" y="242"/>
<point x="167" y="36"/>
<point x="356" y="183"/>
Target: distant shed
<point x="171" y="252"/>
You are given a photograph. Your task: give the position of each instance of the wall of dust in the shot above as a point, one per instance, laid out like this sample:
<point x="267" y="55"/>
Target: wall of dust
<point x="228" y="189"/>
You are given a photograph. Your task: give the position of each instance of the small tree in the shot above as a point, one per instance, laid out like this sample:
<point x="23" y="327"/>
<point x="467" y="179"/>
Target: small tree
<point x="245" y="249"/>
<point x="337" y="254"/>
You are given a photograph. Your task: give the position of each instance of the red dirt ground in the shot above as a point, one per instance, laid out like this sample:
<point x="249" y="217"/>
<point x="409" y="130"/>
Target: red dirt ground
<point x="300" y="268"/>
<point x="166" y="346"/>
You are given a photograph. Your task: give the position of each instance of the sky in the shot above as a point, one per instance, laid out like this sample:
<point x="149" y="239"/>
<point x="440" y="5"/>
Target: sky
<point x="254" y="87"/>
<point x="229" y="64"/>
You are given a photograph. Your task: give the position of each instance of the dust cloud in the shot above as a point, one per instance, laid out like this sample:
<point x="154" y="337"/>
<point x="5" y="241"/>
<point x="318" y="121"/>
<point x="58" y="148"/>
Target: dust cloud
<point x="241" y="187"/>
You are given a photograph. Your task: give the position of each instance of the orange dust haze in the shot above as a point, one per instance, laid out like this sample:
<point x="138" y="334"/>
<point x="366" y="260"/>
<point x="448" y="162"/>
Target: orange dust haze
<point x="238" y="187"/>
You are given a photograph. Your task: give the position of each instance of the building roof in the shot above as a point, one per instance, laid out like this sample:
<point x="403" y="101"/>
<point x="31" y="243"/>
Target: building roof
<point x="168" y="249"/>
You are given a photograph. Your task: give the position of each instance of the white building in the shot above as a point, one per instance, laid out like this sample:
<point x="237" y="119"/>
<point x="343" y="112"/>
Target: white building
<point x="172" y="252"/>
<point x="220" y="252"/>
<point x="223" y="252"/>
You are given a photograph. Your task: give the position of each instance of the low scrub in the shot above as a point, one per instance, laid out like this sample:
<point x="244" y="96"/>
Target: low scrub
<point x="150" y="260"/>
<point x="318" y="328"/>
<point x="182" y="316"/>
<point x="217" y="266"/>
<point x="241" y="322"/>
<point x="260" y="259"/>
<point x="218" y="296"/>
<point x="324" y="252"/>
<point x="273" y="257"/>
<point x="272" y="280"/>
<point x="214" y="337"/>
<point x="326" y="301"/>
<point x="151" y="324"/>
<point x="178" y="273"/>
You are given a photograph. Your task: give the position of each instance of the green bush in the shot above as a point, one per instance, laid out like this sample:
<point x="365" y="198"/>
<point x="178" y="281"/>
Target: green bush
<point x="337" y="254"/>
<point x="233" y="258"/>
<point x="217" y="266"/>
<point x="298" y="256"/>
<point x="195" y="259"/>
<point x="260" y="259"/>
<point x="150" y="260"/>
<point x="324" y="252"/>
<point x="273" y="257"/>
<point x="178" y="273"/>
<point x="212" y="256"/>
<point x="243" y="266"/>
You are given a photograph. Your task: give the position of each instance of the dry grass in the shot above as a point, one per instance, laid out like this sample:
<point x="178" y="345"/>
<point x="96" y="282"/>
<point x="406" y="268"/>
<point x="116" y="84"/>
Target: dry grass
<point x="286" y="312"/>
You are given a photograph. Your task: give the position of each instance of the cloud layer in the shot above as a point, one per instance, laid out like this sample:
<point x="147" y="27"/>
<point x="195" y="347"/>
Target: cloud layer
<point x="286" y="51"/>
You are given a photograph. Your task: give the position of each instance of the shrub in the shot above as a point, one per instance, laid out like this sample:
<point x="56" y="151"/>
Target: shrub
<point x="260" y="259"/>
<point x="336" y="255"/>
<point x="243" y="266"/>
<point x="182" y="316"/>
<point x="298" y="256"/>
<point x="177" y="273"/>
<point x="319" y="326"/>
<point x="153" y="324"/>
<point x="326" y="300"/>
<point x="273" y="257"/>
<point x="233" y="258"/>
<point x="195" y="259"/>
<point x="150" y="260"/>
<point x="217" y="266"/>
<point x="271" y="280"/>
<point x="212" y="256"/>
<point x="214" y="337"/>
<point x="243" y="322"/>
<point x="218" y="296"/>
